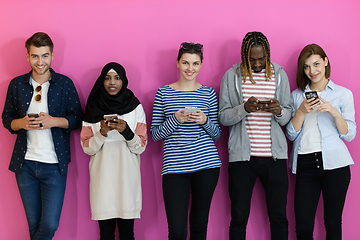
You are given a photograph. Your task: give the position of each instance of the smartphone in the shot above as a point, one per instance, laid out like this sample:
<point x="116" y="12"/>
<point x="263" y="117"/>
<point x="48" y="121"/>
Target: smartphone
<point x="264" y="101"/>
<point x="110" y="117"/>
<point x="35" y="115"/>
<point x="311" y="94"/>
<point x="190" y="110"/>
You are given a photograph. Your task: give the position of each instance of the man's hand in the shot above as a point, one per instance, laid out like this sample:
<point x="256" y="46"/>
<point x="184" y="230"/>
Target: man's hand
<point x="273" y="107"/>
<point x="251" y="105"/>
<point x="27" y="123"/>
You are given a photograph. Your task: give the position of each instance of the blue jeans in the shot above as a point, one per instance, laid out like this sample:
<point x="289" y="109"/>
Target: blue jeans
<point x="42" y="190"/>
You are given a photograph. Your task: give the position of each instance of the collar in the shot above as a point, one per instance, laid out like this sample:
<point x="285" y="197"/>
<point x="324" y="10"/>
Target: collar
<point x="331" y="85"/>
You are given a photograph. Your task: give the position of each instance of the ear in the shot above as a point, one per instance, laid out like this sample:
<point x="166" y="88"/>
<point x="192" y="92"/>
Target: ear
<point x="52" y="56"/>
<point x="27" y="56"/>
<point x="326" y="61"/>
<point x="177" y="63"/>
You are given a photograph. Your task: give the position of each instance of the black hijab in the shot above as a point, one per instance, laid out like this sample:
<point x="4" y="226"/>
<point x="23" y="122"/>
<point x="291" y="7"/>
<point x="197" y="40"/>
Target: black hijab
<point x="100" y="102"/>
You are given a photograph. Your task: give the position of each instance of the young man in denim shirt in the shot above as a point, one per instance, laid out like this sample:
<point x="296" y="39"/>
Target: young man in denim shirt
<point x="41" y="107"/>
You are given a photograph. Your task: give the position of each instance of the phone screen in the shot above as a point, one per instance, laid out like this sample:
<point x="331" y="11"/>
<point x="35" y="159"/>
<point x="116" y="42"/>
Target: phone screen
<point x="311" y="94"/>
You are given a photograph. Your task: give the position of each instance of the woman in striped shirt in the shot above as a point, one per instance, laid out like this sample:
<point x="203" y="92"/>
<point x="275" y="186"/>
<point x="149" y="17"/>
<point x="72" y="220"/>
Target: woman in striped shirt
<point x="185" y="116"/>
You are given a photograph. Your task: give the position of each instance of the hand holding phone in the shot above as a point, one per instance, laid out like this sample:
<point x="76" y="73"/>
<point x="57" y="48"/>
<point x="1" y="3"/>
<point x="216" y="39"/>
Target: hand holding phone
<point x="310" y="95"/>
<point x="110" y="117"/>
<point x="264" y="101"/>
<point x="34" y="115"/>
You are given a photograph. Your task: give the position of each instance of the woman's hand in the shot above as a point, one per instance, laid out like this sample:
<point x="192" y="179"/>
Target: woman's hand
<point x="327" y="107"/>
<point x="305" y="107"/>
<point x="104" y="127"/>
<point x="198" y="117"/>
<point x="181" y="116"/>
<point x="308" y="105"/>
<point x="117" y="124"/>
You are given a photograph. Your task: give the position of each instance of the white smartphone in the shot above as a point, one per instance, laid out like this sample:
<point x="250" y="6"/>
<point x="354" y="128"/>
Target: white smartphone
<point x="190" y="110"/>
<point x="110" y="117"/>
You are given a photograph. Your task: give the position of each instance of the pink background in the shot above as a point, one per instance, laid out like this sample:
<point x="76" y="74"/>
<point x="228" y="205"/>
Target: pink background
<point x="144" y="37"/>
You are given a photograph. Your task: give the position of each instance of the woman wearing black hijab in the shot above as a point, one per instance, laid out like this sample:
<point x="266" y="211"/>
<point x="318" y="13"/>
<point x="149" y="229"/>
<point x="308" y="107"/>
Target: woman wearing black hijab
<point x="115" y="147"/>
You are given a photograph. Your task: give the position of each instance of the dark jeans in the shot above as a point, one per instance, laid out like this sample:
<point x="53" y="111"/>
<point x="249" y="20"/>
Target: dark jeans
<point x="125" y="226"/>
<point x="311" y="180"/>
<point x="274" y="179"/>
<point x="42" y="190"/>
<point x="176" y="191"/>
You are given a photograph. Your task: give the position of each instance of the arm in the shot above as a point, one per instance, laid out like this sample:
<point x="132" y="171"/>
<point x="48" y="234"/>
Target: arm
<point x="291" y="133"/>
<point x="161" y="127"/>
<point x="284" y="98"/>
<point x="340" y="122"/>
<point x="90" y="142"/>
<point x="13" y="119"/>
<point x="344" y="118"/>
<point x="211" y="126"/>
<point x="137" y="141"/>
<point x="230" y="114"/>
<point x="348" y="113"/>
<point x="138" y="144"/>
<point x="73" y="112"/>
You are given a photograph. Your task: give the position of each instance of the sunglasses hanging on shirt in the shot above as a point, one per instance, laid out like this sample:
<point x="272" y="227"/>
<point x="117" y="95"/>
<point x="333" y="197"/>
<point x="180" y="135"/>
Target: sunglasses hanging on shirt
<point x="38" y="96"/>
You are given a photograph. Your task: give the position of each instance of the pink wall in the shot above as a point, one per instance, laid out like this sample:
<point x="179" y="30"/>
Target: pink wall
<point x="144" y="36"/>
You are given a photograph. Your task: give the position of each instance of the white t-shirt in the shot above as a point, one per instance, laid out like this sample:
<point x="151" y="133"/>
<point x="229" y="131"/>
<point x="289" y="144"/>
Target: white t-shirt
<point x="40" y="145"/>
<point x="311" y="139"/>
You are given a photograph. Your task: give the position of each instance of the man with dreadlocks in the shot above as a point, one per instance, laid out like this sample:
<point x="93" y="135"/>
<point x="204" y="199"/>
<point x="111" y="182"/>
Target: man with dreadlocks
<point x="255" y="102"/>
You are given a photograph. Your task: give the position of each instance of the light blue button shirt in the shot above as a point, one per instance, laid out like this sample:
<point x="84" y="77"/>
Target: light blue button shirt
<point x="334" y="151"/>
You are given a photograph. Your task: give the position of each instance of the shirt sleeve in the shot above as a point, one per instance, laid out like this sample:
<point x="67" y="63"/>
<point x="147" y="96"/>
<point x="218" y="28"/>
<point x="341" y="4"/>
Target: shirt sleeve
<point x="290" y="130"/>
<point x="138" y="144"/>
<point x="161" y="127"/>
<point x="9" y="113"/>
<point x="73" y="112"/>
<point x="212" y="124"/>
<point x="228" y="113"/>
<point x="347" y="111"/>
<point x="91" y="141"/>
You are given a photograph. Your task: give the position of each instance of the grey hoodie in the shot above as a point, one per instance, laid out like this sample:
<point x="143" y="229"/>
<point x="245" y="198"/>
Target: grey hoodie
<point x="232" y="113"/>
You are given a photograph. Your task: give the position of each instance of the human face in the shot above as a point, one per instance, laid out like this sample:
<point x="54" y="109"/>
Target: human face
<point x="40" y="59"/>
<point x="112" y="83"/>
<point x="314" y="68"/>
<point x="257" y="58"/>
<point x="189" y="66"/>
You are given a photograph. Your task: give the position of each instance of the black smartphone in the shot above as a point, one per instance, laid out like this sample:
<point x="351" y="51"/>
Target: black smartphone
<point x="264" y="101"/>
<point x="34" y="115"/>
<point x="311" y="94"/>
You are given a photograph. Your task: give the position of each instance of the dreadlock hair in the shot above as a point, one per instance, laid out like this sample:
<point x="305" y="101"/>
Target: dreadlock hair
<point x="250" y="40"/>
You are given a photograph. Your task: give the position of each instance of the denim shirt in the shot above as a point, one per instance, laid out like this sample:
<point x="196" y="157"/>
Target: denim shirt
<point x="63" y="101"/>
<point x="334" y="151"/>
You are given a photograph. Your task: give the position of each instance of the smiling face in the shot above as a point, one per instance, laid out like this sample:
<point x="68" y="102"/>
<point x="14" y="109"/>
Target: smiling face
<point x="189" y="66"/>
<point x="112" y="83"/>
<point x="40" y="59"/>
<point x="314" y="68"/>
<point x="257" y="58"/>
